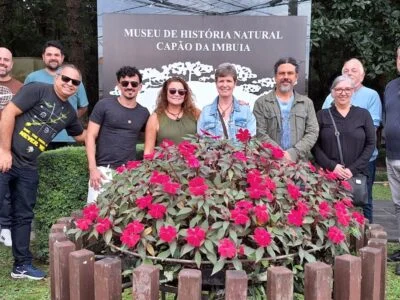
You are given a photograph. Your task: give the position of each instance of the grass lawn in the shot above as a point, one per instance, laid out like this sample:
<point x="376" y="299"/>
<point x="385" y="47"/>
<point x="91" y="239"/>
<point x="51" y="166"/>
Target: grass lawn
<point x="381" y="191"/>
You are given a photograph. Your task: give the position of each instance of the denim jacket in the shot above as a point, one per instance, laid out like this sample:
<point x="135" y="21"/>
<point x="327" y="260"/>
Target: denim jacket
<point x="241" y="117"/>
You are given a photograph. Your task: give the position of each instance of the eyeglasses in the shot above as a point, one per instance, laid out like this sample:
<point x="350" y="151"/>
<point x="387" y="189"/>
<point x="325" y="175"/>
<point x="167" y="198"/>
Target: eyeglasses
<point x="67" y="79"/>
<point x="341" y="91"/>
<point x="133" y="84"/>
<point x="180" y="92"/>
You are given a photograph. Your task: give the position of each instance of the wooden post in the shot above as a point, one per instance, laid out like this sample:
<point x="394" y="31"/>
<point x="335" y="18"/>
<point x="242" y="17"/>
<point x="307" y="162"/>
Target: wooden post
<point x="81" y="279"/>
<point x="61" y="269"/>
<point x="318" y="281"/>
<point x="58" y="228"/>
<point x="54" y="238"/>
<point x="357" y="244"/>
<point x="236" y="285"/>
<point x="347" y="277"/>
<point x="378" y="234"/>
<point x="382" y="245"/>
<point x="279" y="283"/>
<point x="107" y="279"/>
<point x="65" y="220"/>
<point x="145" y="282"/>
<point x="371" y="273"/>
<point x="189" y="284"/>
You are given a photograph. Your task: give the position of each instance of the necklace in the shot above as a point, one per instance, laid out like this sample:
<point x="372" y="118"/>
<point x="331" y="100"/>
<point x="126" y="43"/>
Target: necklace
<point x="223" y="111"/>
<point x="176" y="116"/>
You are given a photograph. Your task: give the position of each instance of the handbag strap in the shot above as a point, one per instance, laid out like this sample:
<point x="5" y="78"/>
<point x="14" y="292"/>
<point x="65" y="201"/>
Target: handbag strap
<point x="337" y="134"/>
<point x="223" y="124"/>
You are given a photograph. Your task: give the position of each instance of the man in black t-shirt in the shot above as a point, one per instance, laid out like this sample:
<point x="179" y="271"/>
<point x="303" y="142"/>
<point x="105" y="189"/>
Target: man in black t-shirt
<point x="28" y="124"/>
<point x="113" y="130"/>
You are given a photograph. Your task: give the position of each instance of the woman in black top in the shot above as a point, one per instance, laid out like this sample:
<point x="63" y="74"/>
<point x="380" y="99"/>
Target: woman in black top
<point x="357" y="133"/>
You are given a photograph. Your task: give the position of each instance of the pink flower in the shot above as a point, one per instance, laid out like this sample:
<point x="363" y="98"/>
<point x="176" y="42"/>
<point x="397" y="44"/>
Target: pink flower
<point x="149" y="156"/>
<point x="276" y="152"/>
<point x="129" y="239"/>
<point x="312" y="167"/>
<point x="256" y="191"/>
<point x="144" y="202"/>
<point x="295" y="217"/>
<point x="240" y="250"/>
<point x="254" y="177"/>
<point x="84" y="224"/>
<point x="261" y="213"/>
<point x="197" y="186"/>
<point x="167" y="233"/>
<point x="103" y="225"/>
<point x="324" y="209"/>
<point x="360" y="219"/>
<point x="294" y="191"/>
<point x="330" y="175"/>
<point x="239" y="216"/>
<point x="346" y="185"/>
<point x="227" y="248"/>
<point x="91" y="212"/>
<point x="159" y="178"/>
<point x="171" y="187"/>
<point x="270" y="184"/>
<point x="135" y="227"/>
<point x="347" y="202"/>
<point x="302" y="207"/>
<point x="120" y="169"/>
<point x="243" y="204"/>
<point x="130" y="165"/>
<point x="185" y="148"/>
<point x="240" y="156"/>
<point x="262" y="237"/>
<point x="243" y="135"/>
<point x="343" y="217"/>
<point x="335" y="235"/>
<point x="157" y="211"/>
<point x="195" y="236"/>
<point x="166" y="143"/>
<point x="192" y="161"/>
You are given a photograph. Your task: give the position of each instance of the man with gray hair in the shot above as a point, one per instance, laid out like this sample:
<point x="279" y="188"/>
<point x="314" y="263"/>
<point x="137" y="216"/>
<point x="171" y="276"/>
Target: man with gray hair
<point x="369" y="99"/>
<point x="392" y="138"/>
<point x="284" y="117"/>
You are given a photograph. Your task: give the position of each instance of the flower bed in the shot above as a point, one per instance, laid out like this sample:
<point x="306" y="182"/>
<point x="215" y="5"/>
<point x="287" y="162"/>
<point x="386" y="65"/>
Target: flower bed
<point x="234" y="205"/>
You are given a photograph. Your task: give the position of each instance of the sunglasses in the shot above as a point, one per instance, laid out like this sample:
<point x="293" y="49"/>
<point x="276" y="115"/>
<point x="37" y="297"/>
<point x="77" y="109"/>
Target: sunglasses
<point x="67" y="79"/>
<point x="133" y="84"/>
<point x="180" y="92"/>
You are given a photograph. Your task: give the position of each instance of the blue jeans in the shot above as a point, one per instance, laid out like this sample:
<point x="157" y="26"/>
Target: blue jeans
<point x="368" y="208"/>
<point x="5" y="213"/>
<point x="22" y="183"/>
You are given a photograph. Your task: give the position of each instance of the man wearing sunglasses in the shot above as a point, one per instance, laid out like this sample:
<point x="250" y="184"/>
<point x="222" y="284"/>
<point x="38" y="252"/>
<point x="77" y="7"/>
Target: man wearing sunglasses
<point x="28" y="124"/>
<point x="53" y="58"/>
<point x="114" y="128"/>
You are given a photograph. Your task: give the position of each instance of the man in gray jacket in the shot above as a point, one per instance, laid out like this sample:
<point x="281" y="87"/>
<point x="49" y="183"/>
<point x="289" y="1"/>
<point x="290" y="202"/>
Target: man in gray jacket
<point x="284" y="117"/>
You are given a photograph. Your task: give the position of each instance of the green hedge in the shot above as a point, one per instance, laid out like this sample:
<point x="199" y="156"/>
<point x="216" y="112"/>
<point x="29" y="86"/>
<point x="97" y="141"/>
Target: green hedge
<point x="63" y="178"/>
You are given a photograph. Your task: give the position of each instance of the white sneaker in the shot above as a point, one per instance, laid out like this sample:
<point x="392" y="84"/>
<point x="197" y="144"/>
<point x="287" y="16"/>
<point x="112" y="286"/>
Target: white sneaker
<point x="5" y="237"/>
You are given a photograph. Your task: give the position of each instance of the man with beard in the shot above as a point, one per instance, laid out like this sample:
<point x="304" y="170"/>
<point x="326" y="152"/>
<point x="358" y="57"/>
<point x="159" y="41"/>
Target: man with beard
<point x="284" y="117"/>
<point x="12" y="86"/>
<point x="53" y="57"/>
<point x="367" y="98"/>
<point x="114" y="129"/>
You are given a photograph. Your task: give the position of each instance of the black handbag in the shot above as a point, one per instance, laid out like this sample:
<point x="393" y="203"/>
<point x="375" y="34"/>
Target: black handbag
<point x="359" y="181"/>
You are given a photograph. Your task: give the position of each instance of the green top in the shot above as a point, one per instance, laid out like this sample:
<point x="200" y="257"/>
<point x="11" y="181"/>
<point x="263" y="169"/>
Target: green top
<point x="175" y="130"/>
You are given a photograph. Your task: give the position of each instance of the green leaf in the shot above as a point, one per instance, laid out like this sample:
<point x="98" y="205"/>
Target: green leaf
<point x="184" y="210"/>
<point x="164" y="254"/>
<point x="209" y="246"/>
<point x="218" y="266"/>
<point x="185" y="249"/>
<point x="107" y="236"/>
<point x="237" y="264"/>
<point x="212" y="257"/>
<point x="259" y="253"/>
<point x="233" y="235"/>
<point x="172" y="247"/>
<point x="197" y="258"/>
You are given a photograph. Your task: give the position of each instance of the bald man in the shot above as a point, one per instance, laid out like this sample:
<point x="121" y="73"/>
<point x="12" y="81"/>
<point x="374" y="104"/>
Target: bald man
<point x="13" y="85"/>
<point x="369" y="99"/>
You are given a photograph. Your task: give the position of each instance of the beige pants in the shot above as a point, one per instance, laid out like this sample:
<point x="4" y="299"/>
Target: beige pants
<point x="93" y="193"/>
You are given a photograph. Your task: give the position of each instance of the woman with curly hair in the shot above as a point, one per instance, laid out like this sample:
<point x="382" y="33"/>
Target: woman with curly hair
<point x="174" y="117"/>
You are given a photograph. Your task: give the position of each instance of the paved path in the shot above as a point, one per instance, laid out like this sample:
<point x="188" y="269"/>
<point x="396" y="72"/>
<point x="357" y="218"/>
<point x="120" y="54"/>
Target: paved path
<point x="384" y="215"/>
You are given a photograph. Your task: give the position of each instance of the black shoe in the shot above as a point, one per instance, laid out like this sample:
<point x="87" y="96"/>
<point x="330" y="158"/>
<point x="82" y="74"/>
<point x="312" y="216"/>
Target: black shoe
<point x="397" y="270"/>
<point x="395" y="256"/>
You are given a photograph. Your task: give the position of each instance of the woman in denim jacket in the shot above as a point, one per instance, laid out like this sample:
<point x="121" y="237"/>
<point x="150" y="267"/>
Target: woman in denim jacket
<point x="226" y="115"/>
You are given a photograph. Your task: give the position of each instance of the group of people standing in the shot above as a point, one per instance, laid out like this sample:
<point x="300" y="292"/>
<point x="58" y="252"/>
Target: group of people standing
<point x="281" y="117"/>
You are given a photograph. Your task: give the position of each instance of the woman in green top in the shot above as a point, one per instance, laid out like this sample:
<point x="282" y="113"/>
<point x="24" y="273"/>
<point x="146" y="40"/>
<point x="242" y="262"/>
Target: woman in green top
<point x="174" y="117"/>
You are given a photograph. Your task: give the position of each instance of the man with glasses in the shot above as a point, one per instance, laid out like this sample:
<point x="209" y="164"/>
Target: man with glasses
<point x="369" y="99"/>
<point x="114" y="128"/>
<point x="28" y="124"/>
<point x="53" y="58"/>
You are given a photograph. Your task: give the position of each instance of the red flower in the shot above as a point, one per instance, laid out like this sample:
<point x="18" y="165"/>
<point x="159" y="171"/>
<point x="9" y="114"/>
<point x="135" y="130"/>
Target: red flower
<point x="159" y="178"/>
<point x="254" y="177"/>
<point x="103" y="225"/>
<point x="186" y="148"/>
<point x="135" y="227"/>
<point x="240" y="156"/>
<point x="261" y="213"/>
<point x="195" y="236"/>
<point x="343" y="217"/>
<point x="276" y="152"/>
<point x="192" y="161"/>
<point x="330" y="175"/>
<point x="360" y="219"/>
<point x="243" y="204"/>
<point x="243" y="135"/>
<point x="84" y="224"/>
<point x="171" y="187"/>
<point x="129" y="239"/>
<point x="91" y="212"/>
<point x="256" y="191"/>
<point x="346" y="185"/>
<point x="166" y="143"/>
<point x="197" y="186"/>
<point x="239" y="216"/>
<point x="120" y="169"/>
<point x="144" y="202"/>
<point x="270" y="184"/>
<point x="347" y="202"/>
<point x="240" y="250"/>
<point x="335" y="235"/>
<point x="167" y="233"/>
<point x="130" y="165"/>
<point x="149" y="156"/>
<point x="312" y="167"/>
<point x="227" y="248"/>
<point x="302" y="207"/>
<point x="262" y="237"/>
<point x="294" y="191"/>
<point x="157" y="211"/>
<point x="295" y="217"/>
<point x="324" y="209"/>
